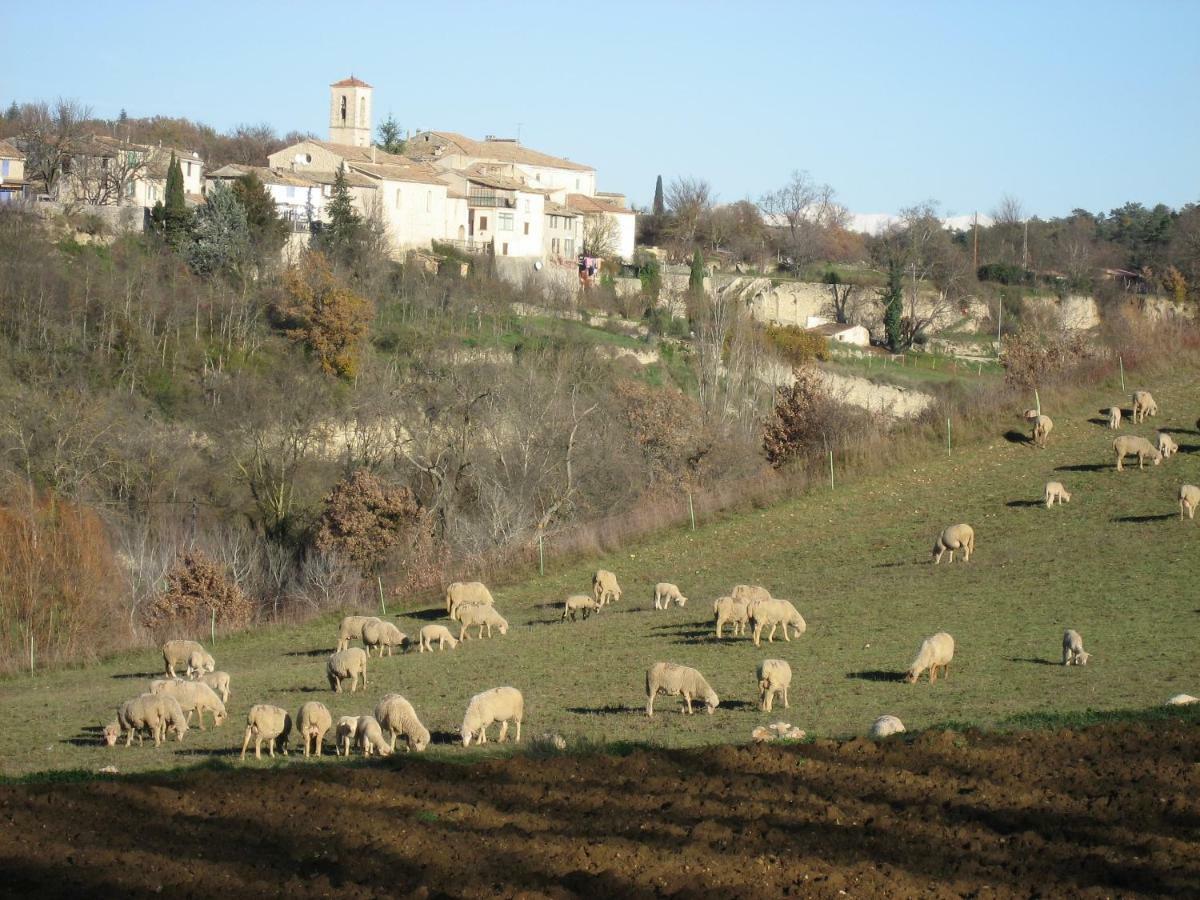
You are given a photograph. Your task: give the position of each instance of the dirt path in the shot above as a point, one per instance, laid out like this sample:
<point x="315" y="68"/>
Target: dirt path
<point x="1112" y="810"/>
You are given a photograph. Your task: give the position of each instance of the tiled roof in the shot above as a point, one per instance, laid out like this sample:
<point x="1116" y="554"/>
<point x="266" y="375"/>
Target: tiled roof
<point x="586" y="204"/>
<point x="830" y="329"/>
<point x="8" y="151"/>
<point x="265" y="175"/>
<point x="414" y="172"/>
<point x="350" y="82"/>
<point x="502" y="151"/>
<point x="351" y="153"/>
<point x="557" y="209"/>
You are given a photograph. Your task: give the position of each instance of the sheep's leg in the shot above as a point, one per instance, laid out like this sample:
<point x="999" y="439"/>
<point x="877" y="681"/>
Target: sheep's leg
<point x="771" y="636"/>
<point x="503" y="732"/>
<point x="687" y="699"/>
<point x="785" y="699"/>
<point x="785" y="633"/>
<point x="245" y="743"/>
<point x="650" y="704"/>
<point x="946" y="671"/>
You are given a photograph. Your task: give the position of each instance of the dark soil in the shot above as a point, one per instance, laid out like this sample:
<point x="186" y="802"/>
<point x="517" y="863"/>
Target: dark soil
<point x="1112" y="810"/>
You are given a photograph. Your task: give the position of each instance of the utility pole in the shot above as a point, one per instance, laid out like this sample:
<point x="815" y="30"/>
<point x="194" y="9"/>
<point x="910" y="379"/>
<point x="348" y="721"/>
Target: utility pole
<point x="1025" y="249"/>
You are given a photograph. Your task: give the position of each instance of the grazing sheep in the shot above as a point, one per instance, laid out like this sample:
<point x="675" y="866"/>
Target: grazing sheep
<point x="1131" y="445"/>
<point x="219" y="682"/>
<point x="885" y="726"/>
<point x="1182" y="700"/>
<point x="774" y="677"/>
<point x="936" y="651"/>
<point x="579" y="604"/>
<point x="1189" y="499"/>
<point x="112" y="731"/>
<point x="439" y="633"/>
<point x="666" y="593"/>
<point x="461" y="592"/>
<point x="1114" y="417"/>
<point x="156" y="713"/>
<point x="483" y="616"/>
<point x="343" y="735"/>
<point x="351" y="629"/>
<point x="497" y="705"/>
<point x="1073" y="652"/>
<point x="605" y="588"/>
<point x="369" y="737"/>
<point x="267" y="723"/>
<point x="1042" y="426"/>
<point x="1030" y="415"/>
<point x="348" y="663"/>
<point x="732" y="610"/>
<point x="673" y="680"/>
<point x="189" y="654"/>
<point x="380" y="634"/>
<point x="750" y="593"/>
<point x="1143" y="405"/>
<point x="1056" y="491"/>
<point x="192" y="696"/>
<point x="396" y="716"/>
<point x="775" y="612"/>
<point x="1166" y="445"/>
<point x="955" y="537"/>
<point x="312" y="722"/>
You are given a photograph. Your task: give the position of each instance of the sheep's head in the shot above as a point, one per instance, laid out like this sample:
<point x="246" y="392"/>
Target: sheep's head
<point x="503" y="628"/>
<point x="1082" y="657"/>
<point x="682" y="600"/>
<point x="711" y="701"/>
<point x="911" y="676"/>
<point x="1157" y="457"/>
<point x="418" y="742"/>
<point x="180" y="727"/>
<point x="112" y="731"/>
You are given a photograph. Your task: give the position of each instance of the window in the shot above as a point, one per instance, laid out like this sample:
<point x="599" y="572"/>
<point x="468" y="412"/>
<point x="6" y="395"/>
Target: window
<point x="505" y="250"/>
<point x="429" y="201"/>
<point x="554" y="246"/>
<point x="189" y="170"/>
<point x="505" y="222"/>
<point x="576" y="184"/>
<point x="483" y="223"/>
<point x="4" y="168"/>
<point x="526" y="206"/>
<point x="291" y="192"/>
<point x="343" y="109"/>
<point x="397" y="198"/>
<point x="527" y="228"/>
<point x="569" y="247"/>
<point x="362" y="111"/>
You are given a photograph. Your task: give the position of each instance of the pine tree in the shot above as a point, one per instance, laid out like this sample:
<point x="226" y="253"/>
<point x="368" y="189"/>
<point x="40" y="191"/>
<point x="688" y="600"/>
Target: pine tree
<point x="123" y="117"/>
<point x="659" y="206"/>
<point x="342" y="236"/>
<point x="13" y="112"/>
<point x="893" y="306"/>
<point x="220" y="239"/>
<point x="390" y="140"/>
<point x="268" y="230"/>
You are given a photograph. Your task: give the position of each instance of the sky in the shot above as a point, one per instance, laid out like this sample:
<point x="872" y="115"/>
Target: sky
<point x="1059" y="104"/>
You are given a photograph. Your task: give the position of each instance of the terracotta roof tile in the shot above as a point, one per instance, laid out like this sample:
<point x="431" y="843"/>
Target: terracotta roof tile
<point x="350" y="82"/>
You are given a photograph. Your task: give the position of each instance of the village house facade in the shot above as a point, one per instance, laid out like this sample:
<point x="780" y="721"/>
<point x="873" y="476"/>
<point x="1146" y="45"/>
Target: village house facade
<point x="105" y="171"/>
<point x="12" y="173"/>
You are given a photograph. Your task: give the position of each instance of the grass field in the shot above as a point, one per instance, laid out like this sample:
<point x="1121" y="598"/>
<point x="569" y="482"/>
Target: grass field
<point x="1116" y="564"/>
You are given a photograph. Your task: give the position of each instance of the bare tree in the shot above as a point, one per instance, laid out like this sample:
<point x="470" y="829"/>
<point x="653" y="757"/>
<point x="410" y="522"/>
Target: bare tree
<point x="100" y="175"/>
<point x="845" y="301"/>
<point x="688" y="199"/>
<point x="600" y="234"/>
<point x="805" y="209"/>
<point x="47" y="135"/>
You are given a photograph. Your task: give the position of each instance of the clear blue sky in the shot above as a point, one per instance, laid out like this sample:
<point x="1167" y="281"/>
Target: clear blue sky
<point x="1061" y="104"/>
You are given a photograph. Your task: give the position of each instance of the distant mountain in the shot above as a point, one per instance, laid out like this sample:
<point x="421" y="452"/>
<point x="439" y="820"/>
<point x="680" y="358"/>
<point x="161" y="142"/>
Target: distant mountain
<point x="874" y="223"/>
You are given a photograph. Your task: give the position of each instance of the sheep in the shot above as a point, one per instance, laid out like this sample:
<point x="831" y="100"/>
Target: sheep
<point x="955" y="537"/>
<point x="1056" y="491"/>
<point x="673" y="680"/>
<point x="579" y="603"/>
<point x="351" y="629"/>
<point x="111" y="732"/>
<point x="775" y="612"/>
<point x="219" y="682"/>
<point x="1114" y="417"/>
<point x="439" y="633"/>
<point x="1143" y="405"/>
<point x="156" y="714"/>
<point x="379" y="634"/>
<point x="732" y="610"/>
<point x="1182" y="700"/>
<point x="369" y="737"/>
<point x="1042" y="426"/>
<point x="1073" y="652"/>
<point x="751" y="594"/>
<point x="467" y="592"/>
<point x="936" y="651"/>
<point x="497" y="705"/>
<point x="348" y="663"/>
<point x="1189" y="499"/>
<point x="666" y="593"/>
<point x="885" y="726"/>
<point x="1030" y="415"/>
<point x="312" y="721"/>
<point x="605" y="588"/>
<point x="396" y="716"/>
<point x="189" y="654"/>
<point x="267" y="723"/>
<point x="192" y="695"/>
<point x="1130" y="445"/>
<point x="774" y="677"/>
<point x="1166" y="445"/>
<point x="343" y="735"/>
<point x="483" y="616"/>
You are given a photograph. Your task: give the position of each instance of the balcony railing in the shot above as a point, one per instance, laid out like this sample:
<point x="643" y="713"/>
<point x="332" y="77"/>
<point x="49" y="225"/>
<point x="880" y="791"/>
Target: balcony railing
<point x="471" y="246"/>
<point x="492" y="200"/>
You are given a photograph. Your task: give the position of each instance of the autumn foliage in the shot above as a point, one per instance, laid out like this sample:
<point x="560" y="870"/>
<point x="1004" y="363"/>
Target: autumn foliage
<point x="196" y="588"/>
<point x="365" y="518"/>
<point x="800" y="421"/>
<point x="1033" y="354"/>
<point x="317" y="310"/>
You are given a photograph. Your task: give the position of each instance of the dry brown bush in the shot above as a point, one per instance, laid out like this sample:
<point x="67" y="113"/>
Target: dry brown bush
<point x="364" y="518"/>
<point x="1033" y="354"/>
<point x="197" y="588"/>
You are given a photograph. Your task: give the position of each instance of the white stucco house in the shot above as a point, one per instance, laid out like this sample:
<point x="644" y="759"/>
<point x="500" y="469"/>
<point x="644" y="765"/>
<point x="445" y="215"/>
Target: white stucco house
<point x="855" y="335"/>
<point x="105" y="171"/>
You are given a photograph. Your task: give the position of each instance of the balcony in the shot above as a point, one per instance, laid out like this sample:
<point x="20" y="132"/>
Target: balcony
<point x="491" y="200"/>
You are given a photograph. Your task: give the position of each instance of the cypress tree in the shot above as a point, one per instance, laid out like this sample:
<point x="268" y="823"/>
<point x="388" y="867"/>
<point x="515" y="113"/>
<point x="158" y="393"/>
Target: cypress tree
<point x="696" y="278"/>
<point x="893" y="306"/>
<point x="659" y="206"/>
<point x="172" y="217"/>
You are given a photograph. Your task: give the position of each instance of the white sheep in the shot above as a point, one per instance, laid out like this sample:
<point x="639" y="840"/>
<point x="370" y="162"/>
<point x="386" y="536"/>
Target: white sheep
<point x="775" y="612"/>
<point x="936" y="652"/>
<point x="348" y="663"/>
<point x="267" y="723"/>
<point x="1030" y="415"/>
<point x="219" y="682"/>
<point x="111" y="733"/>
<point x="497" y="705"/>
<point x="750" y="593"/>
<point x="1073" y="652"/>
<point x="885" y="726"/>
<point x="774" y="677"/>
<point x="605" y="588"/>
<point x="380" y="634"/>
<point x="396" y="716"/>
<point x="1114" y="417"/>
<point x="1056" y="491"/>
<point x="344" y="733"/>
<point x="1166" y="445"/>
<point x="578" y="604"/>
<point x="155" y="713"/>
<point x="312" y="721"/>
<point x="1133" y="445"/>
<point x="439" y="633"/>
<point x="666" y="593"/>
<point x="1143" y="405"/>
<point x="732" y="610"/>
<point x="192" y="696"/>
<point x="1042" y="426"/>
<point x="369" y="737"/>
<point x="351" y="629"/>
<point x="189" y="654"/>
<point x="467" y="592"/>
<point x="483" y="616"/>
<point x="1182" y="700"/>
<point x="675" y="680"/>
<point x="955" y="537"/>
<point x="1189" y="499"/>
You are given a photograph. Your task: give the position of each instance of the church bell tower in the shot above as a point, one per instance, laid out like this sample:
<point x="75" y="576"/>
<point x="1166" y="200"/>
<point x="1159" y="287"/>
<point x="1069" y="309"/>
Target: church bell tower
<point x="350" y="112"/>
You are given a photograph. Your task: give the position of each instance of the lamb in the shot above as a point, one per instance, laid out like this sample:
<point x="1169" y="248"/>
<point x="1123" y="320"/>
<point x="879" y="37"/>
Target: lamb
<point x="267" y="723"/>
<point x="379" y="634"/>
<point x="666" y="593"/>
<point x="351" y="629"/>
<point x="1073" y="652"/>
<point x="189" y="654"/>
<point x="605" y="588"/>
<point x="312" y="722"/>
<point x="1131" y="445"/>
<point x="396" y="716"/>
<point x="936" y="651"/>
<point x="343" y="735"/>
<point x="673" y="680"/>
<point x="579" y="603"/>
<point x="774" y="677"/>
<point x="467" y="592"/>
<point x="1182" y="700"/>
<point x="192" y="695"/>
<point x="1042" y="426"/>
<point x="1143" y="405"/>
<point x="1114" y="417"/>
<point x="439" y="633"/>
<point x="369" y="737"/>
<point x="348" y="663"/>
<point x="219" y="682"/>
<point x="1189" y="499"/>
<point x="156" y="714"/>
<point x="775" y="612"/>
<point x="1030" y="415"/>
<point x="955" y="537"/>
<point x="497" y="705"/>
<point x="484" y="617"/>
<point x="111" y="732"/>
<point x="886" y="726"/>
<point x="1166" y="445"/>
<point x="733" y="610"/>
<point x="1056" y="491"/>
